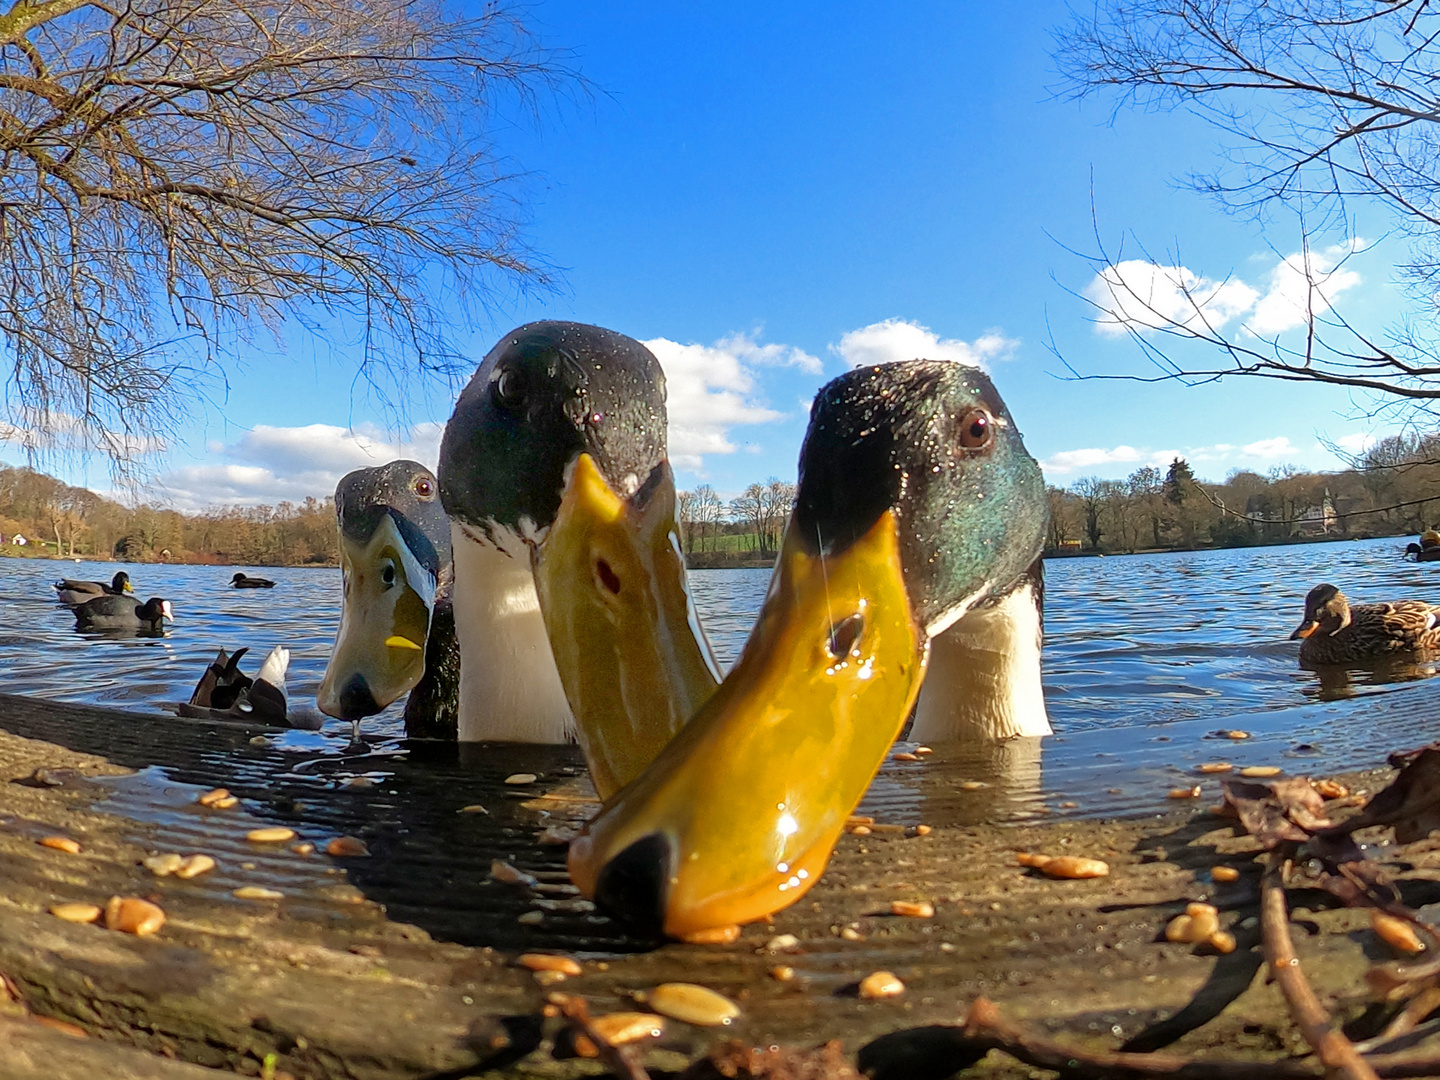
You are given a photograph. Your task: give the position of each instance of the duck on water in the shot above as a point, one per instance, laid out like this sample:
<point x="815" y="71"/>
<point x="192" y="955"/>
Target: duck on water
<point x="70" y="591"/>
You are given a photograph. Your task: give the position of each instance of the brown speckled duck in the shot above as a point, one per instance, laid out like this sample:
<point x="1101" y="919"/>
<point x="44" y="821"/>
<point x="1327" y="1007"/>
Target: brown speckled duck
<point x="1336" y="633"/>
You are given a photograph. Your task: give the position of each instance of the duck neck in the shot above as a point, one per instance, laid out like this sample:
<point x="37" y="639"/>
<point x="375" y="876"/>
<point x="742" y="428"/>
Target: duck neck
<point x="983" y="680"/>
<point x="510" y="689"/>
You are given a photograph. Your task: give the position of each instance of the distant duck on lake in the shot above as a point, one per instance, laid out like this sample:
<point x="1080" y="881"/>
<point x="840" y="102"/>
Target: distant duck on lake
<point x="71" y="591"/>
<point x="1335" y="632"/>
<point x="1427" y="550"/>
<point x="241" y="581"/>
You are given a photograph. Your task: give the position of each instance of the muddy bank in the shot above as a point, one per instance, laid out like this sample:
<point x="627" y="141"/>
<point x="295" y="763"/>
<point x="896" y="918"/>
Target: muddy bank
<point x="401" y="963"/>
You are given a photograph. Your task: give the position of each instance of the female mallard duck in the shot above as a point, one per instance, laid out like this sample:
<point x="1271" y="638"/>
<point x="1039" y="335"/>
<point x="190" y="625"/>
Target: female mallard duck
<point x="569" y="590"/>
<point x="1334" y="632"/>
<point x="397" y="631"/>
<point x="919" y="513"/>
<point x="69" y="591"/>
<point x="123" y="613"/>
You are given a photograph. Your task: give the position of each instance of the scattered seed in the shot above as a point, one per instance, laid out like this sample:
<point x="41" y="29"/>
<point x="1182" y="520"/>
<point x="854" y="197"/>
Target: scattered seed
<point x="1027" y="858"/>
<point x="1330" y="789"/>
<point x="1237" y="734"/>
<point x="75" y="1031"/>
<point x="905" y="756"/>
<point x="194" y="866"/>
<point x="163" y="865"/>
<point x="566" y="907"/>
<point x="132" y="915"/>
<point x="1184" y="792"/>
<point x="506" y="874"/>
<point x="1224" y="873"/>
<point x="1222" y="941"/>
<point x="619" y="1029"/>
<point x="557" y="836"/>
<point x="1256" y="772"/>
<point x="1074" y="867"/>
<point x="782" y="942"/>
<point x="358" y="782"/>
<point x="303" y="848"/>
<point x="715" y="935"/>
<point x="548" y="962"/>
<point x="1214" y="767"/>
<point x="473" y="808"/>
<point x="60" y="843"/>
<point x="343" y="846"/>
<point x="531" y="918"/>
<point x="861" y="830"/>
<point x="972" y="785"/>
<point x="259" y="740"/>
<point x="227" y="803"/>
<point x="692" y="1004"/>
<point x="782" y="973"/>
<point x="257" y="892"/>
<point x="211" y="797"/>
<point x="923" y="750"/>
<point x="923" y="830"/>
<point x="1069" y="806"/>
<point x="519" y="778"/>
<point x="921" y="909"/>
<point x="881" y="984"/>
<point x="859" y="819"/>
<point x="76" y="912"/>
<point x="1397" y="933"/>
<point x="1199" y="923"/>
<point x="849" y="933"/>
<point x="271" y="834"/>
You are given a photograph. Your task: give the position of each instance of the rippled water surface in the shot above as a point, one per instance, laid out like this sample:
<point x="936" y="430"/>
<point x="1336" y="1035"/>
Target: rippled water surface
<point x="1130" y="640"/>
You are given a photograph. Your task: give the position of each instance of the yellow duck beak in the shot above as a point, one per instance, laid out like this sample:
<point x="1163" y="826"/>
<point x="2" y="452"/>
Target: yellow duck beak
<point x="1304" y="630"/>
<point x="737" y="816"/>
<point x="628" y="646"/>
<point x="379" y="652"/>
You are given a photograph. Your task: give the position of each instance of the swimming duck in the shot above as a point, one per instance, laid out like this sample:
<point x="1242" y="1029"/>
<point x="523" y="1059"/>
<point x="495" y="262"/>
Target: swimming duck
<point x="71" y="592"/>
<point x="227" y="693"/>
<point x="397" y="629"/>
<point x="919" y="512"/>
<point x="123" y="613"/>
<point x="241" y="581"/>
<point x="1335" y="632"/>
<point x="569" y="590"/>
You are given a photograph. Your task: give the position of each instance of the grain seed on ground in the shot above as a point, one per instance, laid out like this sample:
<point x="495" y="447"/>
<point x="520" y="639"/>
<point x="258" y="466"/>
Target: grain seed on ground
<point x="782" y="942"/>
<point x="1222" y="941"/>
<point x="257" y="892"/>
<point x="1260" y="772"/>
<point x="214" y="795"/>
<point x="1330" y="789"/>
<point x="972" y="785"/>
<point x="346" y="846"/>
<point x="531" y="918"/>
<point x="271" y="834"/>
<point x="1199" y="923"/>
<point x="1184" y="792"/>
<point x="131" y="915"/>
<point x="1214" y="767"/>
<point x="163" y="865"/>
<point x="548" y="962"/>
<point x="229" y="802"/>
<point x="919" y="909"/>
<point x="1071" y="867"/>
<point x="1237" y="734"/>
<point x="713" y="935"/>
<point x="60" y="843"/>
<point x="692" y="1004"/>
<point x="782" y="973"/>
<point x="620" y="1029"/>
<point x="861" y="830"/>
<point x="76" y="912"/>
<point x="923" y="830"/>
<point x="881" y="984"/>
<point x="75" y="1031"/>
<point x="303" y="848"/>
<point x="1224" y="873"/>
<point x="194" y="866"/>
<point x="1397" y="933"/>
<point x="520" y="778"/>
<point x="905" y="755"/>
<point x="506" y="874"/>
<point x="473" y="808"/>
<point x="923" y="750"/>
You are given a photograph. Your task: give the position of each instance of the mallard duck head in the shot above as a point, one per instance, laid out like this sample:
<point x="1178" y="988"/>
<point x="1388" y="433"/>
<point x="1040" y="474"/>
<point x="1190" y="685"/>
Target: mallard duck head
<point x="555" y="459"/>
<point x="394" y="541"/>
<point x="1326" y="612"/>
<point x="917" y="502"/>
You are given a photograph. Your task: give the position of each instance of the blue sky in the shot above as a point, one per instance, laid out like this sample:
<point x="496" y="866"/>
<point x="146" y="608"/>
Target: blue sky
<point x="769" y="195"/>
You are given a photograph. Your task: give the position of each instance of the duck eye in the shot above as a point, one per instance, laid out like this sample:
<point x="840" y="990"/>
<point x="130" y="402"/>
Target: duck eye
<point x="387" y="574"/>
<point x="509" y="389"/>
<point x="845" y="634"/>
<point x="423" y="487"/>
<point x="977" y="430"/>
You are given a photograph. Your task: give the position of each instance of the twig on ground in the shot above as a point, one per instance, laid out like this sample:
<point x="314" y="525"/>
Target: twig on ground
<point x="1333" y="1048"/>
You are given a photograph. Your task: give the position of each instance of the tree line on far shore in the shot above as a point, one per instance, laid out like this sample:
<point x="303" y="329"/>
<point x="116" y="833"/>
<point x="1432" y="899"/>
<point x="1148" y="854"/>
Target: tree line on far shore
<point x="57" y="519"/>
<point x="1391" y="489"/>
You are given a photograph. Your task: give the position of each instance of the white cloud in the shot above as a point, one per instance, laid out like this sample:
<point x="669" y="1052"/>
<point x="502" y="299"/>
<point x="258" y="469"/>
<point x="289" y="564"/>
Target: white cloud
<point x="1356" y="443"/>
<point x="899" y="339"/>
<point x="711" y="389"/>
<point x="1070" y="462"/>
<point x="63" y="433"/>
<point x="273" y="464"/>
<point x="1142" y="296"/>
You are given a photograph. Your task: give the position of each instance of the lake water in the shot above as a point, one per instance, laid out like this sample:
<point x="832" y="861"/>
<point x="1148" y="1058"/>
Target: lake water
<point x="1131" y="641"/>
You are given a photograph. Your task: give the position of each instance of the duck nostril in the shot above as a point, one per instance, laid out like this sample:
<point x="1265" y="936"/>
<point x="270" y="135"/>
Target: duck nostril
<point x="845" y="634"/>
<point x="633" y="886"/>
<point x="608" y="577"/>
